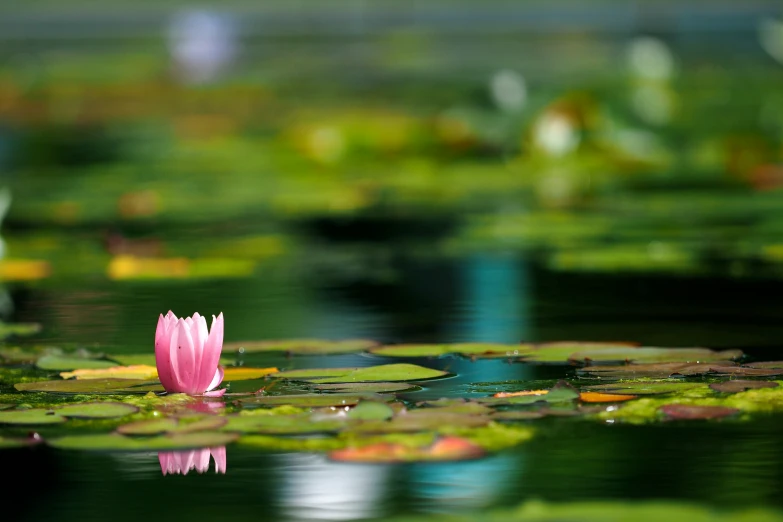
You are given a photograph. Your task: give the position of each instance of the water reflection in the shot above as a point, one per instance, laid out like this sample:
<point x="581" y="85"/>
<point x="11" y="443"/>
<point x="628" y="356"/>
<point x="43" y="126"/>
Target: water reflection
<point x="181" y="462"/>
<point x="315" y="489"/>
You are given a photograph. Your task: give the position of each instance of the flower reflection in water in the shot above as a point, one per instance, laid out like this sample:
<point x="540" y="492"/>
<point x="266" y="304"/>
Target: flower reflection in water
<point x="181" y="462"/>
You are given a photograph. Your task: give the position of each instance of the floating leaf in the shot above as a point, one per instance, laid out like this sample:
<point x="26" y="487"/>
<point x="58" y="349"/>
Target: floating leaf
<point x="643" y="388"/>
<point x="650" y="370"/>
<point x="443" y="449"/>
<point x="387" y="372"/>
<point x="91" y="386"/>
<point x="367" y="387"/>
<point x="563" y="352"/>
<point x="245" y="373"/>
<point x="427" y="419"/>
<point x="516" y="415"/>
<point x="282" y="424"/>
<point x="97" y="410"/>
<point x="371" y="410"/>
<point x="690" y="412"/>
<point x="604" y="397"/>
<point x="746" y="371"/>
<point x="31" y="417"/>
<point x="457" y="406"/>
<point x="139" y="371"/>
<point x="523" y="393"/>
<point x="60" y="363"/>
<point x="117" y="442"/>
<point x="766" y="364"/>
<point x="171" y="425"/>
<point x="560" y="352"/>
<point x="313" y="400"/>
<point x="18" y="329"/>
<point x="560" y="394"/>
<point x="436" y="350"/>
<point x="302" y="346"/>
<point x="737" y="386"/>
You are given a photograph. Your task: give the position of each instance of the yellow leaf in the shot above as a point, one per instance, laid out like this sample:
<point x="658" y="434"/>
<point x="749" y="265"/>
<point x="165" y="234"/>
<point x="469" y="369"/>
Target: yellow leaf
<point x="246" y="374"/>
<point x="521" y="393"/>
<point x="139" y="371"/>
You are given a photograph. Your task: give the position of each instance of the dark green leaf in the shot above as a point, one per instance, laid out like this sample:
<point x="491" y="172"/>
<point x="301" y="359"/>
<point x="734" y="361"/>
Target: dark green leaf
<point x="117" y="442"/>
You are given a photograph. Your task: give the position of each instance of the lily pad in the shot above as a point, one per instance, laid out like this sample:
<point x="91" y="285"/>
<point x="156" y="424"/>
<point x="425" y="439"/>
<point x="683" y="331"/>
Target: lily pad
<point x="443" y="449"/>
<point x="117" y="442"/>
<point x="690" y="412"/>
<point x="736" y="386"/>
<point x="97" y="410"/>
<point x="367" y="387"/>
<point x="462" y="406"/>
<point x="111" y="386"/>
<point x="302" y="346"/>
<point x="61" y="363"/>
<point x="556" y="394"/>
<point x="313" y="400"/>
<point x="420" y="420"/>
<point x="604" y="397"/>
<point x="383" y="373"/>
<point x="6" y="406"/>
<point x="233" y="373"/>
<point x="643" y="388"/>
<point x="171" y="425"/>
<point x="564" y="352"/>
<point x="18" y="329"/>
<point x="139" y="371"/>
<point x="282" y="424"/>
<point x="560" y="352"/>
<point x="371" y="410"/>
<point x="746" y="371"/>
<point x="436" y="350"/>
<point x="766" y="364"/>
<point x="517" y="415"/>
<point x="651" y="371"/>
<point x="31" y="417"/>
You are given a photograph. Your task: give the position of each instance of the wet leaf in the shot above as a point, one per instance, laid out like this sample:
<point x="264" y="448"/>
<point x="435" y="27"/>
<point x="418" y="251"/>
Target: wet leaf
<point x="367" y="387"/>
<point x="443" y="449"/>
<point x="282" y="424"/>
<point x="173" y="425"/>
<point x="245" y="373"/>
<point x="302" y="346"/>
<point x="371" y="410"/>
<point x="604" y="397"/>
<point x="457" y="406"/>
<point x="468" y="349"/>
<point x="117" y="442"/>
<point x="97" y="410"/>
<point x="523" y="393"/>
<point x="91" y="386"/>
<point x="643" y="388"/>
<point x="690" y="412"/>
<point x="313" y="400"/>
<point x="564" y="352"/>
<point x="516" y="415"/>
<point x="737" y="386"/>
<point x="562" y="394"/>
<point x="560" y="352"/>
<point x="386" y="372"/>
<point x="426" y="419"/>
<point x="766" y="364"/>
<point x="31" y="417"/>
<point x="60" y="363"/>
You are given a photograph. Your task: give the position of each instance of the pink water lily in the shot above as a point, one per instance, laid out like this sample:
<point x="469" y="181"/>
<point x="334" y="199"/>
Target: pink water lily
<point x="181" y="462"/>
<point x="187" y="355"/>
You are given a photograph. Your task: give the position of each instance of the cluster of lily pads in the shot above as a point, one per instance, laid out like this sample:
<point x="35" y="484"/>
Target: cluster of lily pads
<point x="85" y="400"/>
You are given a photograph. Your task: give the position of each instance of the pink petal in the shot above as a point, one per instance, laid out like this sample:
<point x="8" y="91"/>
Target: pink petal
<point x="212" y="349"/>
<point x="175" y="384"/>
<point x="202" y="460"/>
<point x="164" y="458"/>
<point x="216" y="393"/>
<point x="199" y="332"/>
<point x="219" y="454"/>
<point x="217" y="379"/>
<point x="186" y="359"/>
<point x="163" y="355"/>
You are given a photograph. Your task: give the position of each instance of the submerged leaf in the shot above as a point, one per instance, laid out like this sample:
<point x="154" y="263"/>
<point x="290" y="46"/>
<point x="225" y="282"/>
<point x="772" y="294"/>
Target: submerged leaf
<point x="97" y="410"/>
<point x="301" y="346"/>
<point x="117" y="442"/>
<point x="386" y="372"/>
<point x="691" y="412"/>
<point x="31" y="417"/>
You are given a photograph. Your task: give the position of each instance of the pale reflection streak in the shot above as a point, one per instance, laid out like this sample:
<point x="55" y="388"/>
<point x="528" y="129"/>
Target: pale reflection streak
<point x="181" y="462"/>
<point x="314" y="488"/>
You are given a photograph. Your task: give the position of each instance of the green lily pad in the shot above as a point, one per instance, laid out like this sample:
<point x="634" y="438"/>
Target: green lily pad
<point x="468" y="349"/>
<point x="173" y="426"/>
<point x="556" y="394"/>
<point x="117" y="442"/>
<point x="302" y="346"/>
<point x="609" y="352"/>
<point x="371" y="410"/>
<point x="457" y="406"/>
<point x="691" y="412"/>
<point x="517" y="415"/>
<point x="111" y="386"/>
<point x="367" y="387"/>
<point x="736" y="386"/>
<point x="97" y="410"/>
<point x="31" y="417"/>
<point x="282" y="424"/>
<point x="644" y="388"/>
<point x="18" y="329"/>
<point x="62" y="363"/>
<point x="560" y="352"/>
<point x="313" y="400"/>
<point x="386" y="372"/>
<point x="420" y="420"/>
<point x="6" y="443"/>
